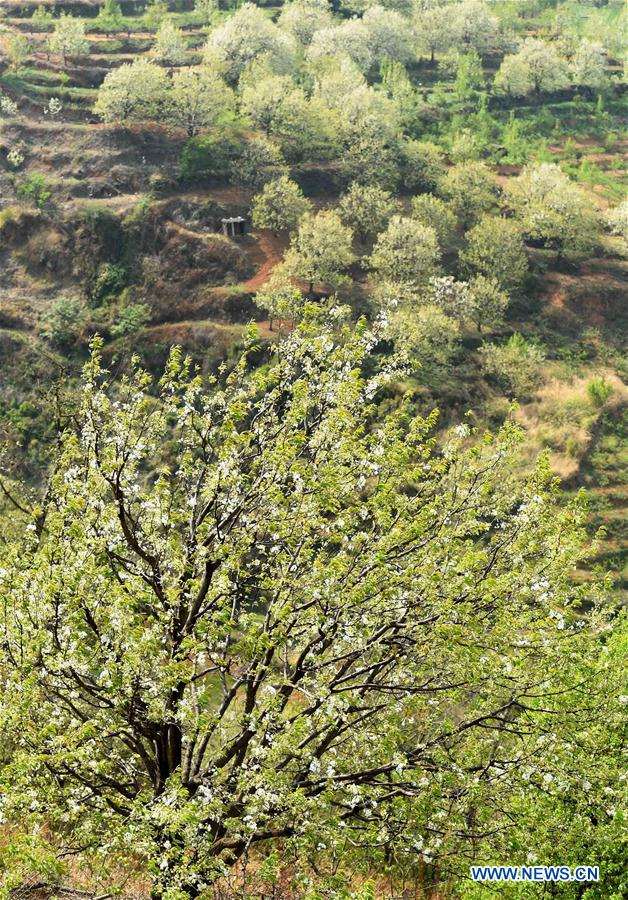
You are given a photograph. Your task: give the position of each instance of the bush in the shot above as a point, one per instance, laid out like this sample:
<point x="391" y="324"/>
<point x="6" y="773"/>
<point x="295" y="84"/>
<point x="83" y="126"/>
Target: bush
<point x="131" y="319"/>
<point x="599" y="391"/>
<point x="62" y="322"/>
<point x="35" y="188"/>
<point x="108" y="284"/>
<point x="516" y="365"/>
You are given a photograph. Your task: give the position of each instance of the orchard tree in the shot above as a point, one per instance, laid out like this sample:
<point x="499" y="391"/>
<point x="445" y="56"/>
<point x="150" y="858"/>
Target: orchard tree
<point x="351" y="39"/>
<point x="389" y="35"/>
<point x="417" y="327"/>
<point x="495" y="248"/>
<point x="488" y="303"/>
<point x="261" y="161"/>
<point x="406" y="252"/>
<point x="588" y="66"/>
<point x="366" y="124"/>
<point x="136" y="91"/>
<point x="472" y="25"/>
<point x="247" y="35"/>
<point x="199" y="98"/>
<point x="516" y="365"/>
<point x="320" y="250"/>
<point x="367" y="209"/>
<point x="263" y="96"/>
<point x="452" y="297"/>
<point x="479" y="301"/>
<point x="280" y="205"/>
<point x="206" y="9"/>
<point x="68" y="38"/>
<point x="553" y="210"/>
<point x="303" y="18"/>
<point x="471" y="190"/>
<point x="437" y="214"/>
<point x="280" y="298"/>
<point x="274" y="104"/>
<point x="422" y="165"/>
<point x="534" y="68"/>
<point x="432" y="26"/>
<point x="247" y="613"/>
<point x="170" y="46"/>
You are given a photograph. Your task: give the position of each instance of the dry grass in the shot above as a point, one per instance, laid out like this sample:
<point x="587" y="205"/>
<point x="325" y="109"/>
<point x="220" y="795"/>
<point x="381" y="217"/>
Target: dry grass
<point x="562" y="417"/>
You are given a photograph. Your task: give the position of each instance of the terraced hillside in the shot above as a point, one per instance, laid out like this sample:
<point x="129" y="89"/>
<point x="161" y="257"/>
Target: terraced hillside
<point x="452" y="172"/>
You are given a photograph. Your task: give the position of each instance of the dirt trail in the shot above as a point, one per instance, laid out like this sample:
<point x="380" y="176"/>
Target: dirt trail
<point x="268" y="251"/>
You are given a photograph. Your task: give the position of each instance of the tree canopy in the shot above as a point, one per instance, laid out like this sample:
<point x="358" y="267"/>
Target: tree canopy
<point x="302" y="623"/>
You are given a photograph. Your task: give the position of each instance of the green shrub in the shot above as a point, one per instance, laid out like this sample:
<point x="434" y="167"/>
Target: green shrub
<point x="516" y="365"/>
<point x="62" y="322"/>
<point x="131" y="319"/>
<point x="599" y="391"/>
<point x="108" y="284"/>
<point x="210" y="156"/>
<point x="35" y="188"/>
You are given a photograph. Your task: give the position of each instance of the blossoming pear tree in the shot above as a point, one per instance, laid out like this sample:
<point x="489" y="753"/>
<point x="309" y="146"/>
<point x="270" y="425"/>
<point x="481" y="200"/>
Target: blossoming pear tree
<point x="255" y="610"/>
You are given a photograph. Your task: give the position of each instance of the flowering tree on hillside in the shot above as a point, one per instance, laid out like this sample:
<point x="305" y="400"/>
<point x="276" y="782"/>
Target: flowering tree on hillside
<point x="252" y="611"/>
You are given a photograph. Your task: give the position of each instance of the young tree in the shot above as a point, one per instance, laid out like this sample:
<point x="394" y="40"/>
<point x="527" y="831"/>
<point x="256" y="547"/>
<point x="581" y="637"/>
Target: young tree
<point x="471" y="190"/>
<point x="553" y="210"/>
<point x="110" y="18"/>
<point x="199" y="98"/>
<point x="43" y="18"/>
<point x="250" y="613"/>
<point x="535" y="67"/>
<point x="68" y="38"/>
<point x="406" y="252"/>
<point x="280" y="205"/>
<point x="170" y="46"/>
<point x="8" y="107"/>
<point x="247" y="35"/>
<point x="155" y="13"/>
<point x="367" y="209"/>
<point x="137" y="91"/>
<point x="320" y="250"/>
<point x="303" y="18"/>
<point x="467" y="71"/>
<point x="495" y="248"/>
<point x="436" y="213"/>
